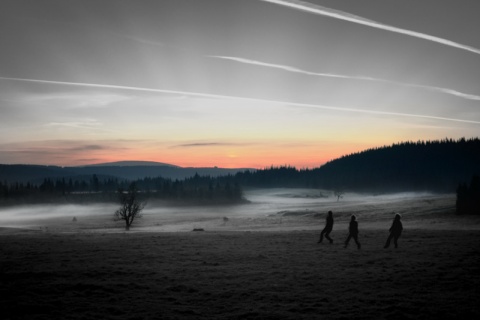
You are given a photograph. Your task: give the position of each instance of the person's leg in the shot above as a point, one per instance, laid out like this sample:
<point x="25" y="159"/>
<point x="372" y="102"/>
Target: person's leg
<point x="388" y="241"/>
<point x="395" y="240"/>
<point x="348" y="240"/>
<point x="327" y="235"/>
<point x="355" y="237"/>
<point x="321" y="236"/>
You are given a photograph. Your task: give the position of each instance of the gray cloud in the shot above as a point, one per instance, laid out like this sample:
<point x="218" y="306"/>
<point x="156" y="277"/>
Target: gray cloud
<point x="206" y="144"/>
<point x="89" y="147"/>
<point x="42" y="152"/>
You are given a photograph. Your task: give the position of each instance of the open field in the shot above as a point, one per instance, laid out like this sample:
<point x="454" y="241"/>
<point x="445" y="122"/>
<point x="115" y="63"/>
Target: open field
<point x="238" y="275"/>
<point x="263" y="263"/>
<point x="267" y="210"/>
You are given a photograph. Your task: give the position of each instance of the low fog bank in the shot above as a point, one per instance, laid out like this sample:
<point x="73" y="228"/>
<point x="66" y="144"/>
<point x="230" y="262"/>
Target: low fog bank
<point x="266" y="210"/>
<point x="38" y="216"/>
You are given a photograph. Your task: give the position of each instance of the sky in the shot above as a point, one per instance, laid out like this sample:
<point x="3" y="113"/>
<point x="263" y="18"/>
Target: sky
<point x="233" y="83"/>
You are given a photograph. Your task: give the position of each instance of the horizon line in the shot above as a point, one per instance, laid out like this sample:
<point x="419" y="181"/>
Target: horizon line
<point x="238" y="168"/>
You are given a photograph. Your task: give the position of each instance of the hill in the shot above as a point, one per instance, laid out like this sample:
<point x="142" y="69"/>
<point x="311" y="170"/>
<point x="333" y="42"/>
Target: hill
<point x="437" y="166"/>
<point x="25" y="173"/>
<point x="35" y="174"/>
<point x="132" y="163"/>
<point x="424" y="165"/>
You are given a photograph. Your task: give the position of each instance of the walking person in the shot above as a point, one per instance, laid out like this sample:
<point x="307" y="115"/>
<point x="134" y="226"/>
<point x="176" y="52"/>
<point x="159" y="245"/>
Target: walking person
<point x="353" y="232"/>
<point x="328" y="228"/>
<point x="395" y="231"/>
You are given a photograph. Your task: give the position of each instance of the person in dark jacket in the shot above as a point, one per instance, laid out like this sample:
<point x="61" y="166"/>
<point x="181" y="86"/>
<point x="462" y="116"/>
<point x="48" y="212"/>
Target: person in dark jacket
<point x="328" y="228"/>
<point x="353" y="232"/>
<point x="395" y="231"/>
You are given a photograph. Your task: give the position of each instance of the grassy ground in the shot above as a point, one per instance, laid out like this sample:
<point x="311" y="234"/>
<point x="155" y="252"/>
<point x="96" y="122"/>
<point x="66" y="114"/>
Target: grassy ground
<point x="238" y="275"/>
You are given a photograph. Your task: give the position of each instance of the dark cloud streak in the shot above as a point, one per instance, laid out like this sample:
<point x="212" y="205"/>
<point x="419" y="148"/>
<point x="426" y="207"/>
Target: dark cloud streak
<point x="207" y="144"/>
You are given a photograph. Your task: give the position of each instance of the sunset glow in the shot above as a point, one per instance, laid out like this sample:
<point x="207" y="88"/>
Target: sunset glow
<point x="233" y="84"/>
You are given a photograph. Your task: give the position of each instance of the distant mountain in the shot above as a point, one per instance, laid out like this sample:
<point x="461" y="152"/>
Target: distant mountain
<point x="132" y="163"/>
<point x="129" y="170"/>
<point x="21" y="173"/>
<point x="408" y="166"/>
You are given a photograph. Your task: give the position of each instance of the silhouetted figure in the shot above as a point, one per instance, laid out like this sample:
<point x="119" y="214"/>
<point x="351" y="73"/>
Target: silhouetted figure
<point x="395" y="231"/>
<point x="328" y="228"/>
<point x="353" y="232"/>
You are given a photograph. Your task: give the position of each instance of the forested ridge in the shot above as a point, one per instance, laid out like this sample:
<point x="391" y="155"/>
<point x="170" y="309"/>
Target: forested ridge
<point x="438" y="166"/>
<point x="424" y="165"/>
<point x="195" y="190"/>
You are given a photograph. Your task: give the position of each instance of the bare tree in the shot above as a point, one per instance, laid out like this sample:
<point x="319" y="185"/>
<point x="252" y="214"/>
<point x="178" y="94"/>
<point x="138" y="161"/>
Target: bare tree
<point x="130" y="206"/>
<point x="338" y="194"/>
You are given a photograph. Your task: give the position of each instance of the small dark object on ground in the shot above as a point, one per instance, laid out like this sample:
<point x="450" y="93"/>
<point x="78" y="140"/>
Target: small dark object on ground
<point x="198" y="229"/>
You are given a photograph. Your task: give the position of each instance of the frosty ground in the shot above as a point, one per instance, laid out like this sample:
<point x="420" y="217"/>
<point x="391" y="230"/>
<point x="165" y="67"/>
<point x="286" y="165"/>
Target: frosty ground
<point x="263" y="262"/>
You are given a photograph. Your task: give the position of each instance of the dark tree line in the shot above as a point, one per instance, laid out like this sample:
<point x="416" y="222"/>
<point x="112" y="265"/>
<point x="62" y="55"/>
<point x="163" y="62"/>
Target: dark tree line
<point x="409" y="166"/>
<point x="284" y="176"/>
<point x="468" y="197"/>
<point x="60" y="190"/>
<point x="423" y="165"/>
<point x="197" y="189"/>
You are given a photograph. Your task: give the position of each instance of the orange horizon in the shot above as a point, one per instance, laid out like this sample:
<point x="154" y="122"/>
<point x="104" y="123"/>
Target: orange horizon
<point x="258" y="161"/>
<point x="255" y="156"/>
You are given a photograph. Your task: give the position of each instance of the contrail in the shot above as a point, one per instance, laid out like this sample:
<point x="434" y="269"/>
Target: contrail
<point x="286" y="68"/>
<point x="216" y="96"/>
<point x="316" y="9"/>
<point x="333" y="75"/>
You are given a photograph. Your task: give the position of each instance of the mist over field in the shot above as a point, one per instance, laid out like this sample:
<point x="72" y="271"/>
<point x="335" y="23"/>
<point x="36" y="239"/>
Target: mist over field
<point x="254" y="260"/>
<point x="277" y="209"/>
